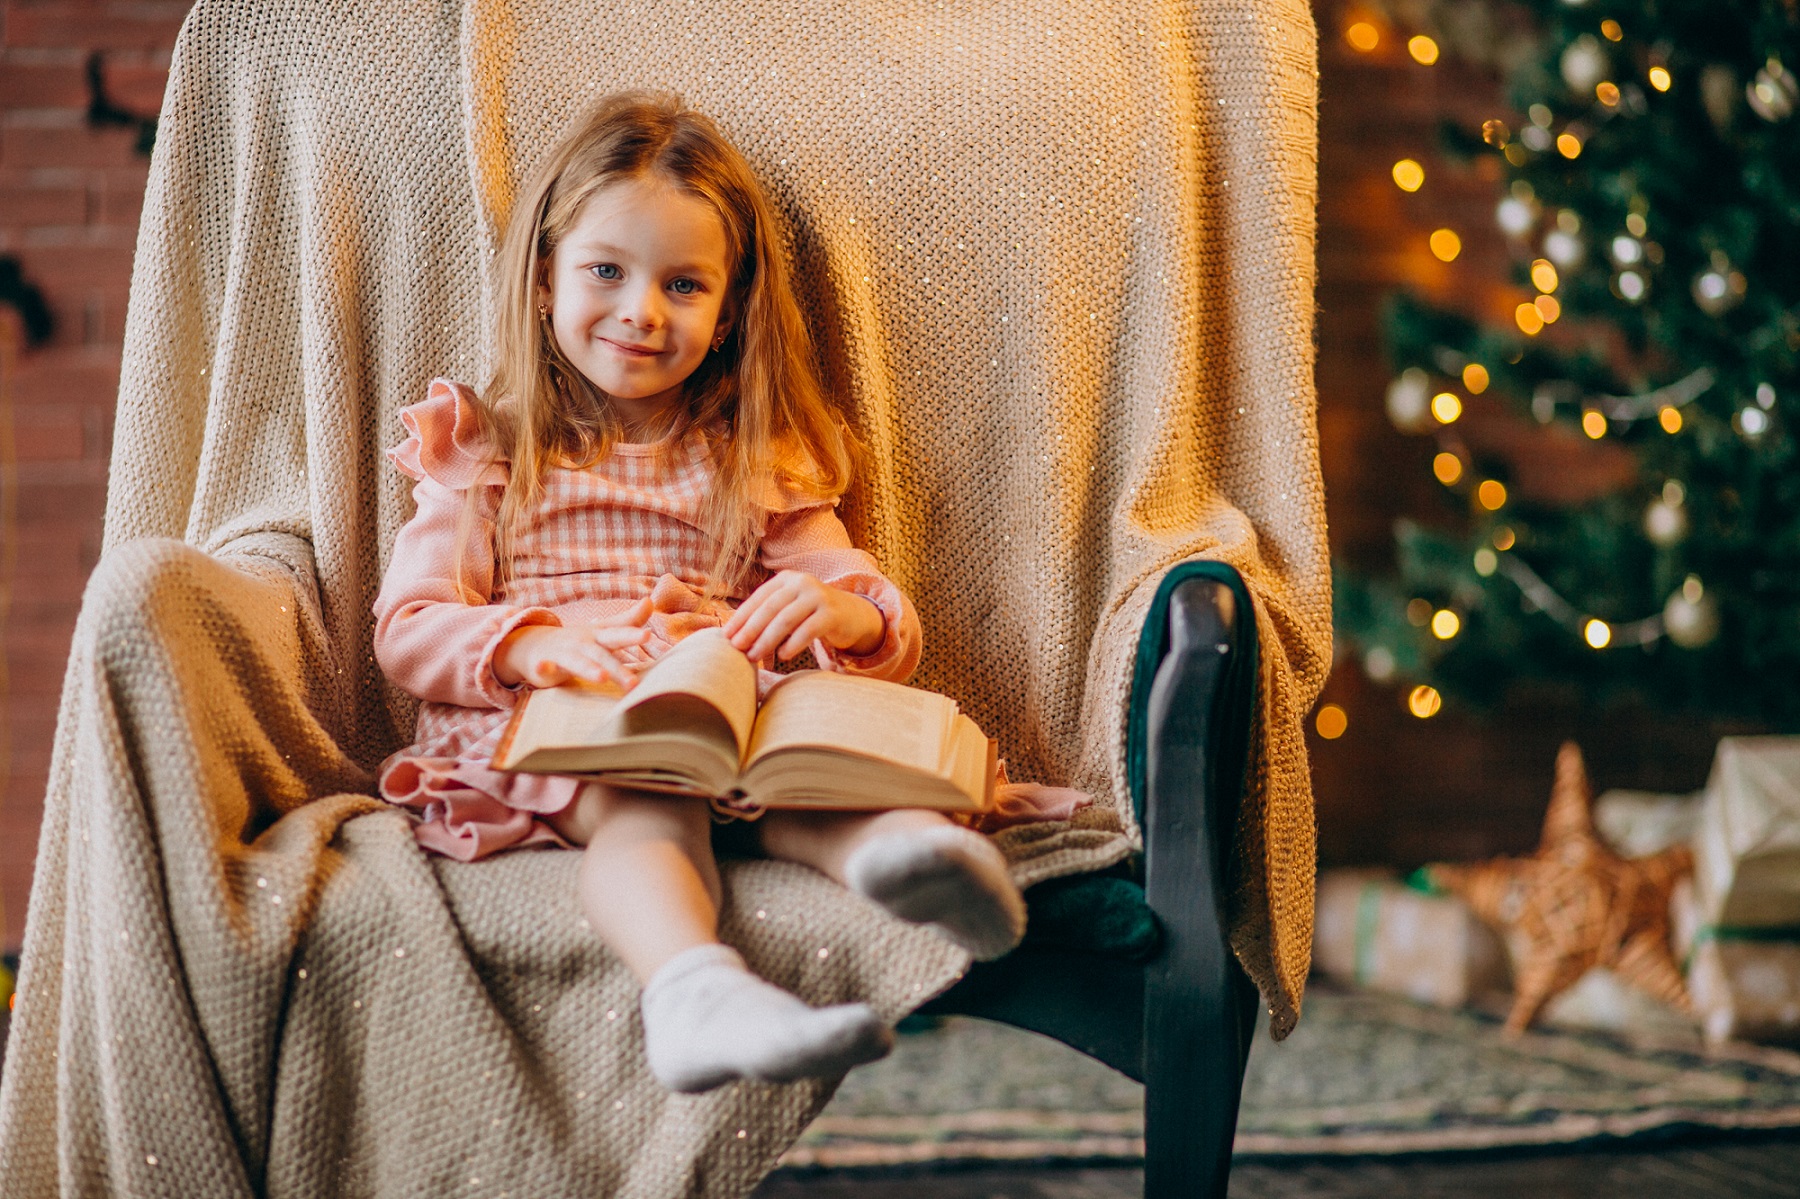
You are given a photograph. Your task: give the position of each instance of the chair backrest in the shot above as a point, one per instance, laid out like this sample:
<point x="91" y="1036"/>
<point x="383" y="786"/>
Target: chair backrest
<point x="1059" y="259"/>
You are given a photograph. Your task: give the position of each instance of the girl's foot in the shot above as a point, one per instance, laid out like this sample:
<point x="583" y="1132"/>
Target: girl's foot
<point x="949" y="876"/>
<point x="709" y="1021"/>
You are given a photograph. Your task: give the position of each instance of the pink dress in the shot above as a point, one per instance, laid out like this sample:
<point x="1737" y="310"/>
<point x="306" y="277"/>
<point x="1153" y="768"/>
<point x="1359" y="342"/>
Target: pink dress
<point x="599" y="540"/>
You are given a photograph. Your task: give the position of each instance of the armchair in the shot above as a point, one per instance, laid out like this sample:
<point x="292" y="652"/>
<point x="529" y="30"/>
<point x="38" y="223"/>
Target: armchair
<point x="1061" y="263"/>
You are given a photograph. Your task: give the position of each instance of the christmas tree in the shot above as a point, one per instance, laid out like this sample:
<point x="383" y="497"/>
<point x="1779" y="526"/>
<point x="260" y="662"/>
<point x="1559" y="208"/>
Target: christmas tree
<point x="1649" y="187"/>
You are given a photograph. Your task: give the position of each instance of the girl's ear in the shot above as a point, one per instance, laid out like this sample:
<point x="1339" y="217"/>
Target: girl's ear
<point x="727" y="322"/>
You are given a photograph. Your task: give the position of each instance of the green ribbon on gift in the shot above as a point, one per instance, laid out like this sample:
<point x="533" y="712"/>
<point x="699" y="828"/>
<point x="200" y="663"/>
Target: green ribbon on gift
<point x="1738" y="932"/>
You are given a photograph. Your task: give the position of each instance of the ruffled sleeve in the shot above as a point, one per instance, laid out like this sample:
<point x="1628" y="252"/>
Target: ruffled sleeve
<point x="435" y="632"/>
<point x="445" y="442"/>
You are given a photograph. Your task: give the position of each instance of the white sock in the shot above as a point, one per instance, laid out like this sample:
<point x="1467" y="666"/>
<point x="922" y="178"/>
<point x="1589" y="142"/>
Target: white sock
<point x="708" y="1020"/>
<point x="949" y="876"/>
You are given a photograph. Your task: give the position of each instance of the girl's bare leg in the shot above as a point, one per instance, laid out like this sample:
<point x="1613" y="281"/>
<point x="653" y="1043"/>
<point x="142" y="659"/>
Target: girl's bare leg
<point x="648" y="882"/>
<point x="649" y="886"/>
<point x="917" y="864"/>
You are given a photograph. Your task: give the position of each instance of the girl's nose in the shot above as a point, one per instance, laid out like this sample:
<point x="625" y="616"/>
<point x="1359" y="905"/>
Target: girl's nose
<point x="638" y="308"/>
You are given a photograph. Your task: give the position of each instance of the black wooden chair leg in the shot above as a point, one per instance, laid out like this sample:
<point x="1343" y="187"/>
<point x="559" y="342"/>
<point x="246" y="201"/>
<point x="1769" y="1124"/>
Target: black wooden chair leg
<point x="1182" y="1023"/>
<point x="1199" y="1008"/>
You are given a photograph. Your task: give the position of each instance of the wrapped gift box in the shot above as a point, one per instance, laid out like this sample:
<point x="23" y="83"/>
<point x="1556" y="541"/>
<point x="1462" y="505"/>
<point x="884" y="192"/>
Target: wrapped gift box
<point x="1636" y="824"/>
<point x="1744" y="981"/>
<point x="1747" y="990"/>
<point x="1747" y="843"/>
<point x="1376" y="932"/>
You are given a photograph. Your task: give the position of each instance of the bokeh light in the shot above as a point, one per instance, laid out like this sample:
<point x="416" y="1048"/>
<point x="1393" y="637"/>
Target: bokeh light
<point x="1424" y="702"/>
<point x="1409" y="176"/>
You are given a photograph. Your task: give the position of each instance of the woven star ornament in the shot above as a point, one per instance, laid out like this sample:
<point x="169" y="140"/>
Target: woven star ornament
<point x="1575" y="904"/>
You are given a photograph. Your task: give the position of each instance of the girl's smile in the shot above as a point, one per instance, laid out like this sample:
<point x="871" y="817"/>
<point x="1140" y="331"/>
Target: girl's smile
<point x="635" y="291"/>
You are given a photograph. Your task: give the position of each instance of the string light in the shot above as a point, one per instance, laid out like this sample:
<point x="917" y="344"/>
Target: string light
<point x="1423" y="50"/>
<point x="1424" y="702"/>
<point x="1446" y="407"/>
<point x="1670" y="420"/>
<point x="1548" y="307"/>
<point x="1447" y="467"/>
<point x="1445" y="245"/>
<point x="1486" y="562"/>
<point x="1409" y="176"/>
<point x="1529" y="319"/>
<point x="1568" y="145"/>
<point x="1659" y="78"/>
<point x="1491" y="494"/>
<point x="1597" y="633"/>
<point x="1593" y="424"/>
<point x="1543" y="275"/>
<point x="1504" y="539"/>
<point x="1331" y="722"/>
<point x="1607" y="93"/>
<point x="1475" y="378"/>
<point x="1610" y="29"/>
<point x="1445" y="624"/>
<point x="1363" y="37"/>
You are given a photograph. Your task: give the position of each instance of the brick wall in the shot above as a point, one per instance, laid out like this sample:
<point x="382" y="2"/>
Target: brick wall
<point x="69" y="200"/>
<point x="1393" y="789"/>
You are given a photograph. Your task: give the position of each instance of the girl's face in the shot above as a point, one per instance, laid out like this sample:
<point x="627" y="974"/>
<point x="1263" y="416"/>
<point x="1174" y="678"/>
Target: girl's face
<point x="635" y="290"/>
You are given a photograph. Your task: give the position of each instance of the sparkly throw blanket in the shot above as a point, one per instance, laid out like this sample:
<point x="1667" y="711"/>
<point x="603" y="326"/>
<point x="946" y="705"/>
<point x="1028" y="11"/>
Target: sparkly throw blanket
<point x="1060" y="262"/>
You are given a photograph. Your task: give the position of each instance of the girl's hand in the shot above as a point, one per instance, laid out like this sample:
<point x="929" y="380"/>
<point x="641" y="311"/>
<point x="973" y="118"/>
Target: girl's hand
<point x="793" y="609"/>
<point x="549" y="655"/>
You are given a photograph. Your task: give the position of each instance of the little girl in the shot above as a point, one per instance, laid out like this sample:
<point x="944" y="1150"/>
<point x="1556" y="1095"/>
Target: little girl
<point x="653" y="456"/>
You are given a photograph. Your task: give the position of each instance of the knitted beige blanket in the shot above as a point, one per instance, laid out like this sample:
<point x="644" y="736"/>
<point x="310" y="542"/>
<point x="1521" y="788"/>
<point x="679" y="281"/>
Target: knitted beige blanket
<point x="1060" y="259"/>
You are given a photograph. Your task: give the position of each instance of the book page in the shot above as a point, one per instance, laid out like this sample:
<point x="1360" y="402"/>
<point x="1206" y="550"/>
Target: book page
<point x="707" y="666"/>
<point x="856" y="715"/>
<point x="557" y="717"/>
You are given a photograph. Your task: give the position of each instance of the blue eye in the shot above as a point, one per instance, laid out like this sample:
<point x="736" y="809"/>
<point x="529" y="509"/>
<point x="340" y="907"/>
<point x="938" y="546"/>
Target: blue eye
<point x="608" y="271"/>
<point x="685" y="287"/>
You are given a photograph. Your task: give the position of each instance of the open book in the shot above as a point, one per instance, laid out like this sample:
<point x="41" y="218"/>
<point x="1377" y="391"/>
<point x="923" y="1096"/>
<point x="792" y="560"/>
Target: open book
<point x="820" y="739"/>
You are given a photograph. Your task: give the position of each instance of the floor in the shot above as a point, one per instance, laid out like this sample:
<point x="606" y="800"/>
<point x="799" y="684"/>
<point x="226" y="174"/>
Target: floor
<point x="1736" y="1169"/>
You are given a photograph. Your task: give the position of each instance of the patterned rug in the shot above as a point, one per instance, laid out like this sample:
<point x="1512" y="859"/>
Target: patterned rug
<point x="1363" y="1074"/>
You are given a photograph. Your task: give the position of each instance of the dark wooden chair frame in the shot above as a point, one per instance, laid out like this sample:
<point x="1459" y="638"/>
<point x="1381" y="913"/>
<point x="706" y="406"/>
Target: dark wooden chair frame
<point x="1182" y="1022"/>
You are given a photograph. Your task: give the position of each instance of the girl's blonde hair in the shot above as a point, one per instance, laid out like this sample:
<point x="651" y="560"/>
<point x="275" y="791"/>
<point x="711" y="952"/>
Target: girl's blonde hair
<point x="757" y="400"/>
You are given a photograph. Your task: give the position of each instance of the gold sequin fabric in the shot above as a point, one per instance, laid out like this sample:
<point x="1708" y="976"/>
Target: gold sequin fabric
<point x="1059" y="260"/>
